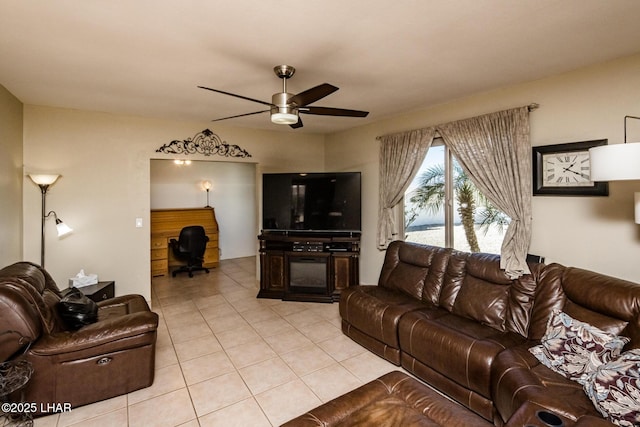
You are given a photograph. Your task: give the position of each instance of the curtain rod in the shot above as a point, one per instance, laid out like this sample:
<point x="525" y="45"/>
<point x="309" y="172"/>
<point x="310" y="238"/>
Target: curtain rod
<point x="530" y="107"/>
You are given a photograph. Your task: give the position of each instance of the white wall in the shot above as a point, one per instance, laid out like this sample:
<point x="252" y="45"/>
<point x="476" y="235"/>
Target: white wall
<point x="10" y="178"/>
<point x="594" y="233"/>
<point x="104" y="160"/>
<point x="233" y="196"/>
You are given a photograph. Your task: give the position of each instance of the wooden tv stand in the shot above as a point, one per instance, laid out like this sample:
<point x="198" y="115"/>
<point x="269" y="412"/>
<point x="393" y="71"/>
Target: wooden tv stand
<point x="312" y="267"/>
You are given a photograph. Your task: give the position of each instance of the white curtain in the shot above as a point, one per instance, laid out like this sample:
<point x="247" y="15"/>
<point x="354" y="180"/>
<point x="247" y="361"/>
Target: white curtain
<point x="495" y="151"/>
<point x="401" y="155"/>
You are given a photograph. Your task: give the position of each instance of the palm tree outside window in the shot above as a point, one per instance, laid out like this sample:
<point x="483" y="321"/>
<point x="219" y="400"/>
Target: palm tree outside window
<point x="443" y="207"/>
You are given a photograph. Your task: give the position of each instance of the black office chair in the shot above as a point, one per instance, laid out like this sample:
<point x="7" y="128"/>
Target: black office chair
<point x="190" y="247"/>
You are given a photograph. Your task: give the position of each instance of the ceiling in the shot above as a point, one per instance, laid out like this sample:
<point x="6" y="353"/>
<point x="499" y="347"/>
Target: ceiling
<point x="147" y="57"/>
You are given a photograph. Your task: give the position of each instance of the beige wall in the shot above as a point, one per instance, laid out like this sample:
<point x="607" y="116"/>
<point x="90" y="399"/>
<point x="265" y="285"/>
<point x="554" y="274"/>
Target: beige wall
<point x="594" y="233"/>
<point x="10" y="178"/>
<point x="104" y="160"/>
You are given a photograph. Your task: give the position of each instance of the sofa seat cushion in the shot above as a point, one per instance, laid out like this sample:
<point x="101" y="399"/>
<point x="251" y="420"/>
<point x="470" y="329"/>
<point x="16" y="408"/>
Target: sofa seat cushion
<point x="395" y="399"/>
<point x="458" y="348"/>
<point x="376" y="311"/>
<point x="517" y="377"/>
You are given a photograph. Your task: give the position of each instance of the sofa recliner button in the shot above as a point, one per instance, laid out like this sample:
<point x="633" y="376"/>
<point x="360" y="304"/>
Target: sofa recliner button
<point x="104" y="361"/>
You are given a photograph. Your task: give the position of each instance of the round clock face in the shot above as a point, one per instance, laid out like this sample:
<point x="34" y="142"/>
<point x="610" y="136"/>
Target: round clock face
<point x="570" y="169"/>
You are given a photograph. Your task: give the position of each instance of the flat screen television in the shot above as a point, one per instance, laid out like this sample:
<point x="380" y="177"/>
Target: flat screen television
<point x="311" y="202"/>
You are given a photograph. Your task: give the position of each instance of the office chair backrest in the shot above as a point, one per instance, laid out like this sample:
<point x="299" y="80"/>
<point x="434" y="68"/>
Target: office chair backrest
<point x="193" y="240"/>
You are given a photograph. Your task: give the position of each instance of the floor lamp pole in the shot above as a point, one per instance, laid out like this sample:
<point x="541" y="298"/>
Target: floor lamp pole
<point x="43" y="189"/>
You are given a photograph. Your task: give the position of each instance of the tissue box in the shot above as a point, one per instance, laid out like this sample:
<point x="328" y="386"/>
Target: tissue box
<point x="78" y="282"/>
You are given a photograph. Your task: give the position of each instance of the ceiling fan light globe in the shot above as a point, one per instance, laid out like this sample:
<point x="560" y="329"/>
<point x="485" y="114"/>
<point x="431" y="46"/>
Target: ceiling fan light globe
<point x="283" y="113"/>
<point x="284" y="118"/>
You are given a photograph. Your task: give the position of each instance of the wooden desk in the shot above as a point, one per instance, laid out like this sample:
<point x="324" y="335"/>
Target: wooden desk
<point x="166" y="225"/>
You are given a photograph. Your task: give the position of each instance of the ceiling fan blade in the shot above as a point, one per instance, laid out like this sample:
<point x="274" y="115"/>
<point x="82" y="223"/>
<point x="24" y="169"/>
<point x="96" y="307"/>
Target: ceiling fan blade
<point x="298" y="124"/>
<point x="328" y="111"/>
<point x="241" y="115"/>
<point x="310" y="96"/>
<point x="237" y="96"/>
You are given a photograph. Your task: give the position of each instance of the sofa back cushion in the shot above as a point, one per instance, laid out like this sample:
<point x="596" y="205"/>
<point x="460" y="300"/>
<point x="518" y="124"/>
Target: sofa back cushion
<point x="522" y="293"/>
<point x="549" y="296"/>
<point x="19" y="321"/>
<point x="477" y="288"/>
<point x="453" y="278"/>
<point x="484" y="293"/>
<point x="411" y="268"/>
<point x="37" y="288"/>
<point x="608" y="303"/>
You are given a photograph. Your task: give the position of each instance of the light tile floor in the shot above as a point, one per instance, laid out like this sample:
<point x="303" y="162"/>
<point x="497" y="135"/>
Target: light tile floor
<point x="227" y="358"/>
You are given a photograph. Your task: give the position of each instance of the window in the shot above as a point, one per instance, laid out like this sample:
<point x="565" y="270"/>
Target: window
<point x="444" y="208"/>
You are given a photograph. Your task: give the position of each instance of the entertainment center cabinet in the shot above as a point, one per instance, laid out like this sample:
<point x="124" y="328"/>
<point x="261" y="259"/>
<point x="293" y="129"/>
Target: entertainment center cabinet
<point x="312" y="267"/>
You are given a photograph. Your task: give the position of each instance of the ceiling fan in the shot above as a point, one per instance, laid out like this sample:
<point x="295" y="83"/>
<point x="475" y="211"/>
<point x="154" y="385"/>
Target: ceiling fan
<point x="286" y="107"/>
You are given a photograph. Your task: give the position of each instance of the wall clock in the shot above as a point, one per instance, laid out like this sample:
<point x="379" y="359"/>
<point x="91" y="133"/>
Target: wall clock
<point x="565" y="170"/>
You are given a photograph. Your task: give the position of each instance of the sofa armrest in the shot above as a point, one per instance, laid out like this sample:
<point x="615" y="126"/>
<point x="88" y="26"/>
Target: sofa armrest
<point x="593" y="421"/>
<point x="519" y="378"/>
<point x="123" y="304"/>
<point x="96" y="334"/>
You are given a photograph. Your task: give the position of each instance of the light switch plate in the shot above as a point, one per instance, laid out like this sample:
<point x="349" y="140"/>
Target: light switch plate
<point x="138" y="222"/>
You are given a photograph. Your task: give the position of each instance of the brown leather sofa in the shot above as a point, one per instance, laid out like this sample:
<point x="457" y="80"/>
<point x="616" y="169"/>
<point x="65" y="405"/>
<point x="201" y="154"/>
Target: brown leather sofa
<point x="110" y="357"/>
<point x="454" y="320"/>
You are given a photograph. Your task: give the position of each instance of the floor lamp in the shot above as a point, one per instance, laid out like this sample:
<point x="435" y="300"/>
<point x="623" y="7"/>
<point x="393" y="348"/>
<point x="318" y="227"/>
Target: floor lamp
<point x="44" y="182"/>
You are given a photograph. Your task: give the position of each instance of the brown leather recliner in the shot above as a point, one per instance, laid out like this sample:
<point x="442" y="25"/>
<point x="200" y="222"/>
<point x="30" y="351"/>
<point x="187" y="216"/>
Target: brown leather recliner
<point x="108" y="358"/>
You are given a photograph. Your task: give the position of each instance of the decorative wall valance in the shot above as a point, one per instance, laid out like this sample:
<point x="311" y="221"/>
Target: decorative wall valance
<point x="205" y="142"/>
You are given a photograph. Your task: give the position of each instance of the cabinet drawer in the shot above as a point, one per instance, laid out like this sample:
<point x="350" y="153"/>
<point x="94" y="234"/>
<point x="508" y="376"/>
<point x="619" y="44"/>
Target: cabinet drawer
<point x="159" y="267"/>
<point x="157" y="254"/>
<point x="210" y="257"/>
<point x="158" y="243"/>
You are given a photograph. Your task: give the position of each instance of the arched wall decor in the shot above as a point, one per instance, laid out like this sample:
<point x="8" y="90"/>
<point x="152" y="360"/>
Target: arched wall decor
<point x="205" y="142"/>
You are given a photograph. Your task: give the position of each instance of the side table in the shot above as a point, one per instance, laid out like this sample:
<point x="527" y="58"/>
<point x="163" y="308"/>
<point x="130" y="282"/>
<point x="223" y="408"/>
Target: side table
<point x="100" y="291"/>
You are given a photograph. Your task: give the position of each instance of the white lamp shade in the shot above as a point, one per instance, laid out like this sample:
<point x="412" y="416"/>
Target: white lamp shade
<point x="63" y="229"/>
<point x="637" y="205"/>
<point x="615" y="162"/>
<point x="206" y="185"/>
<point x="43" y="179"/>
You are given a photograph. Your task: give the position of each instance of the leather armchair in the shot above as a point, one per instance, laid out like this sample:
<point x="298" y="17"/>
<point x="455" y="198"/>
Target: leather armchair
<point x="108" y="358"/>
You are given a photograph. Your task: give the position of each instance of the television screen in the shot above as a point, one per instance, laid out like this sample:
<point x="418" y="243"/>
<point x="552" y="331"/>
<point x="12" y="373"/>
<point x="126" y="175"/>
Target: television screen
<point x="311" y="202"/>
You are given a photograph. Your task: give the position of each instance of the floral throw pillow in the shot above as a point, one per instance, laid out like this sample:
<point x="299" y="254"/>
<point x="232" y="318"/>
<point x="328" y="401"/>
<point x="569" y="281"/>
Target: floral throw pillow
<point x="614" y="389"/>
<point x="574" y="349"/>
